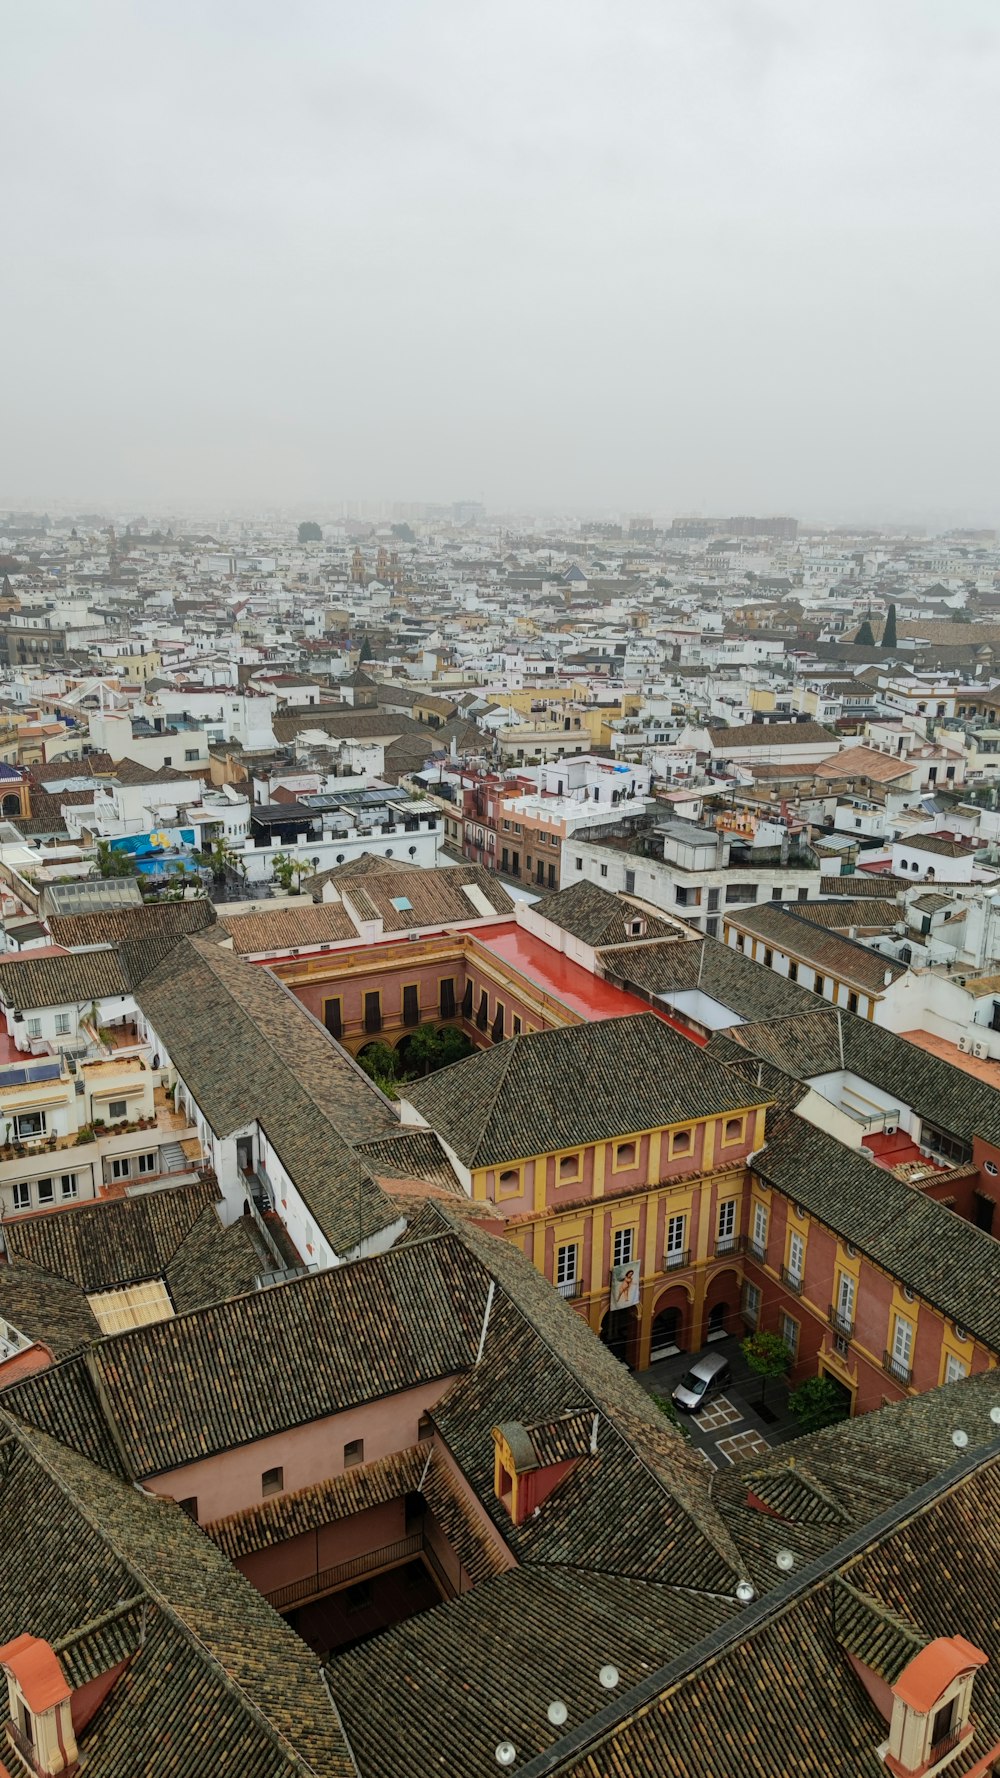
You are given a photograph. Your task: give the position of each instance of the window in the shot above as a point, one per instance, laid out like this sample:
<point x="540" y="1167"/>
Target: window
<point x="680" y="1142"/>
<point x="117" y="1108"/>
<point x="819" y="985"/>
<point x="121" y="1166"/>
<point x="789" y="1331"/>
<point x="733" y="1131"/>
<point x="63" y="1025"/>
<point x="844" y="1310"/>
<point x="750" y="1304"/>
<point x="630" y="882"/>
<point x="796" y="1258"/>
<point x="510" y="1181"/>
<point x="768" y="957"/>
<point x="759" y="1242"/>
<point x="899" y="1357"/>
<point x="28" y="1124"/>
<point x="168" y="759"/>
<point x="776" y="894"/>
<point x="373" y="1011"/>
<point x="567" y="1259"/>
<point x="190" y="753"/>
<point x="624" y="1154"/>
<point x="676" y="1254"/>
<point x="272" y="1481"/>
<point x="624" y="1247"/>
<point x="354" y="1453"/>
<point x="570" y="1168"/>
<point x="33" y="1027"/>
<point x="726" y="1231"/>
<point x="147" y="1163"/>
<point x="333" y="1017"/>
<point x="447" y="997"/>
<point x="46" y="1191"/>
<point x="604" y="870"/>
<point x="955" y="1368"/>
<point x="852" y="1002"/>
<point x="411" y="1005"/>
<point x="793" y="971"/>
<point x="517" y="1026"/>
<point x="483" y="1011"/>
<point x="579" y="863"/>
<point x="22" y="1195"/>
<point x="67" y="1185"/>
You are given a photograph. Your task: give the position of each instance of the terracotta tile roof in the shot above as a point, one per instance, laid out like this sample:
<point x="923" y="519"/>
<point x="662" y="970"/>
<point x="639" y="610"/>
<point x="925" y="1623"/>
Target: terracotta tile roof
<point x="864" y="762"/>
<point x="325" y="1503"/>
<point x="599" y="918"/>
<point x="435" y="896"/>
<point x="259" y="1364"/>
<point x="280" y="929"/>
<point x="124" y="1240"/>
<point x="75" y="978"/>
<point x="276" y="1066"/>
<point x="571" y="1086"/>
<point x="214" y="1676"/>
<point x="113" y="926"/>
<point x="785" y="929"/>
<point x="766" y="735"/>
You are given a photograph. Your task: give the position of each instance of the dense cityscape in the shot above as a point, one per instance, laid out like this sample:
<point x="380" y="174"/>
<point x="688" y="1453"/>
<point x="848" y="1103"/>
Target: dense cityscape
<point x="501" y="1047"/>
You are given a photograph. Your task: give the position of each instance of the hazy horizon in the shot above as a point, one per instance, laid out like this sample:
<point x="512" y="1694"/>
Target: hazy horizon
<point x="560" y="258"/>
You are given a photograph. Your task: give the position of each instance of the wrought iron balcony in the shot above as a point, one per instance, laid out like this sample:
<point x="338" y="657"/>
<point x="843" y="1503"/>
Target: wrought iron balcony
<point x="841" y="1323"/>
<point x="572" y="1288"/>
<point x="726" y="1244"/>
<point x="757" y="1249"/>
<point x="894" y="1367"/>
<point x="791" y="1280"/>
<point x="676" y="1258"/>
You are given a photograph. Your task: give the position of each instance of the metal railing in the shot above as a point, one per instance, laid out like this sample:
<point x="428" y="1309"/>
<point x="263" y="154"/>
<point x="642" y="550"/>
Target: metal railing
<point x="676" y="1258"/>
<point x="573" y="1287"/>
<point x="791" y="1280"/>
<point x="757" y="1249"/>
<point x="21" y="1746"/>
<point x="358" y="1568"/>
<point x="841" y="1323"/>
<point x="894" y="1367"/>
<point x="726" y="1244"/>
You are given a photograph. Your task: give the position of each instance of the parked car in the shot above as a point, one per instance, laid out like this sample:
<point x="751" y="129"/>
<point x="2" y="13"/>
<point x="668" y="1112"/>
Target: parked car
<point x="707" y="1376"/>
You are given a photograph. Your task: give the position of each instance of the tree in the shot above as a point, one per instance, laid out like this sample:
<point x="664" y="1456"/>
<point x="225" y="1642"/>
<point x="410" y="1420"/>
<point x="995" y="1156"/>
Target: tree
<point x="889" y="633"/>
<point x="864" y="637"/>
<point x="767" y="1355"/>
<point x="364" y="652"/>
<point x="309" y="532"/>
<point x="379" y="1061"/>
<point x="405" y="533"/>
<point x="285" y="870"/>
<point x="423" y="1052"/>
<point x="454" y="1045"/>
<point x="817" y="1402"/>
<point x="113" y="863"/>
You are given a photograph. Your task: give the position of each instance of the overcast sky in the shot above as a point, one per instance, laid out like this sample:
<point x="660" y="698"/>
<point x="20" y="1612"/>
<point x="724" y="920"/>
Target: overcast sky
<point x="735" y="255"/>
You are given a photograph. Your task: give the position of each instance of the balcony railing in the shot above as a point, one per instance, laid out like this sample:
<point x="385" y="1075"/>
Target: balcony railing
<point x="841" y="1323"/>
<point x="573" y="1287"/>
<point x="791" y="1280"/>
<point x="676" y="1258"/>
<point x="726" y="1244"/>
<point x="19" y="1745"/>
<point x="357" y="1568"/>
<point x="894" y="1367"/>
<point x="947" y="1744"/>
<point x="757" y="1249"/>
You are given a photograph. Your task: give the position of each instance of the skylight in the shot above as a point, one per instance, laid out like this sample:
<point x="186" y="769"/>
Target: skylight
<point x="402" y="904"/>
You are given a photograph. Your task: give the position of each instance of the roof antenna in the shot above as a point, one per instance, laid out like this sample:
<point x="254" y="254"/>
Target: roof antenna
<point x="486" y="1318"/>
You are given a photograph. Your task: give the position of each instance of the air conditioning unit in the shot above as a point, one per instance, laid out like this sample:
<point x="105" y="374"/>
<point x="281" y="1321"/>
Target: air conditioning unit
<point x="889" y="1129"/>
<point x="980" y="1049"/>
<point x="963" y="1044"/>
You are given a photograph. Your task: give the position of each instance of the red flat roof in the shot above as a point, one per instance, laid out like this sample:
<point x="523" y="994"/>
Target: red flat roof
<point x="549" y="969"/>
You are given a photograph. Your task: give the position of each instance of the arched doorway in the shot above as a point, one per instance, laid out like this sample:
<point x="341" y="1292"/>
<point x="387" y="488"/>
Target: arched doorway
<point x="620" y="1333"/>
<point x="671" y="1319"/>
<point x="722" y="1302"/>
<point x="11" y="806"/>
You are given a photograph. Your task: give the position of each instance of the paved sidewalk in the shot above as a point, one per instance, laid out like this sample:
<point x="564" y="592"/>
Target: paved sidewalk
<point x="730" y="1427"/>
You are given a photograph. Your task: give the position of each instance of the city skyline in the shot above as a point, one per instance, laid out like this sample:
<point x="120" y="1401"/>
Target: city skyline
<point x="724" y="262"/>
